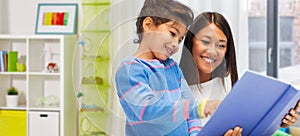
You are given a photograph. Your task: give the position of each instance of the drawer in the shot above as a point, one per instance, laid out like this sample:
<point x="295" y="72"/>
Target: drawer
<point x="43" y="123"/>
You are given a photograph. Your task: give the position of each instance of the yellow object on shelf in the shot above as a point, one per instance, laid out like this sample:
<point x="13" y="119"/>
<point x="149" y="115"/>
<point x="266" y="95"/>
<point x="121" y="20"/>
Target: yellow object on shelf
<point x="12" y="123"/>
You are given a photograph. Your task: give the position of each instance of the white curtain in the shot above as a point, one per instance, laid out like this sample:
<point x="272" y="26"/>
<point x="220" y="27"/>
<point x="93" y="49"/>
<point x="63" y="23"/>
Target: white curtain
<point x="123" y="14"/>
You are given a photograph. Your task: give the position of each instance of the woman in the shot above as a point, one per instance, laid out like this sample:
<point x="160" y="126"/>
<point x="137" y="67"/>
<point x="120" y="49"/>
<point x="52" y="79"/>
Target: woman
<point x="210" y="43"/>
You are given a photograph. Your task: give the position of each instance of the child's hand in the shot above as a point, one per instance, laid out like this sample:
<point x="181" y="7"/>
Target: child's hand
<point x="211" y="106"/>
<point x="237" y="131"/>
<point x="292" y="117"/>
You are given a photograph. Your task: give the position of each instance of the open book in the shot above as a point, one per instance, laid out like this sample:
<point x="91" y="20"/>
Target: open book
<point x="256" y="103"/>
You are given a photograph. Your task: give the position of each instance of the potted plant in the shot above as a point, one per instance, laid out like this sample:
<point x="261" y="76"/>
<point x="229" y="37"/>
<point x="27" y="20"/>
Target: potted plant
<point x="12" y="97"/>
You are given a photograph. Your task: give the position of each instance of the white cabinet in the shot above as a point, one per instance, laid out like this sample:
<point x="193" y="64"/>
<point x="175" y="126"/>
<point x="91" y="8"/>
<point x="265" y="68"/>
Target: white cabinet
<point x="43" y="90"/>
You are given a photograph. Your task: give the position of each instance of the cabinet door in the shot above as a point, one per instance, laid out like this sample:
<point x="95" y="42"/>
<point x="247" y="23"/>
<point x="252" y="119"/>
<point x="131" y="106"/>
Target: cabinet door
<point x="43" y="123"/>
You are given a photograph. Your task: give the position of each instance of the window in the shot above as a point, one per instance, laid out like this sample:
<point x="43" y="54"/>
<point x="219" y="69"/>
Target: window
<point x="288" y="38"/>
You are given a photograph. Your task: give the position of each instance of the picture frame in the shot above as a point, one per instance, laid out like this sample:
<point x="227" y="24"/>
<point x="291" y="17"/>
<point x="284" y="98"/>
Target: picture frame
<point x="57" y="18"/>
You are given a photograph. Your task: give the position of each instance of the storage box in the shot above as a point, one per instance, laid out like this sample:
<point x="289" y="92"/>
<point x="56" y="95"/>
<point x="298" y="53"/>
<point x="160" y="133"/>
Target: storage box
<point x="12" y="123"/>
<point x="43" y="123"/>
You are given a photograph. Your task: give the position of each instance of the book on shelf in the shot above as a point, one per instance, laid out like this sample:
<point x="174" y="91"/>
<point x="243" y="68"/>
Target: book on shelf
<point x="12" y="61"/>
<point x="5" y="58"/>
<point x="3" y="61"/>
<point x="257" y="103"/>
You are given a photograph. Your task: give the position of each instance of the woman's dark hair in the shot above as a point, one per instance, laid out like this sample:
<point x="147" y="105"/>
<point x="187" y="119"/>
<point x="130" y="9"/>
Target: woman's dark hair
<point x="228" y="66"/>
<point x="162" y="11"/>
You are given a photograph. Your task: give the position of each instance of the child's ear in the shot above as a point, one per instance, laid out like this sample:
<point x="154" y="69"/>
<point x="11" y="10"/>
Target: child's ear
<point x="148" y="24"/>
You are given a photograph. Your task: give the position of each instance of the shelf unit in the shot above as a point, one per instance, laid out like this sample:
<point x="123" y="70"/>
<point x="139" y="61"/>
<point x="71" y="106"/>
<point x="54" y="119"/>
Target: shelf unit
<point x="94" y="66"/>
<point x="42" y="92"/>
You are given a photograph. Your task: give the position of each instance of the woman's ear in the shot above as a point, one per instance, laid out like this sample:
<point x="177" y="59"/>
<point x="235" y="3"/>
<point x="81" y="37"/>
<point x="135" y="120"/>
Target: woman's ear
<point x="148" y="24"/>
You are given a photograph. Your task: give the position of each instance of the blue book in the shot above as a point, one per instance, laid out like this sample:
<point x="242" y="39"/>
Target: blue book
<point x="256" y="103"/>
<point x="1" y="61"/>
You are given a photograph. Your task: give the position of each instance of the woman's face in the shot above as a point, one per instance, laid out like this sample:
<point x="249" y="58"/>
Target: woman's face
<point x="210" y="45"/>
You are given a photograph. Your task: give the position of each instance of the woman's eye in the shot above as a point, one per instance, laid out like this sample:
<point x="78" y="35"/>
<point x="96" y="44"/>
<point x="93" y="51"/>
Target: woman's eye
<point x="221" y="46"/>
<point x="205" y="42"/>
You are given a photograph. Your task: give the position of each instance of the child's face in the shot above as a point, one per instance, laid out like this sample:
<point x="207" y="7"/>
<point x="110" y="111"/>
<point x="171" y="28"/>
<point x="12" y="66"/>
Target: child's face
<point x="210" y="45"/>
<point x="163" y="40"/>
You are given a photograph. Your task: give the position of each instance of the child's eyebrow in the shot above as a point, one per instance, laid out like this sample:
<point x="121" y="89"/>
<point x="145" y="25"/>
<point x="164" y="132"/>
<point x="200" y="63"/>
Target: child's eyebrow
<point x="177" y="30"/>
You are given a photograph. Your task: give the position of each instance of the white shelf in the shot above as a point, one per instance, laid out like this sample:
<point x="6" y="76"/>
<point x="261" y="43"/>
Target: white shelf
<point x="20" y="107"/>
<point x="12" y="73"/>
<point x="44" y="74"/>
<point x="30" y="73"/>
<point x="44" y="109"/>
<point x="37" y="87"/>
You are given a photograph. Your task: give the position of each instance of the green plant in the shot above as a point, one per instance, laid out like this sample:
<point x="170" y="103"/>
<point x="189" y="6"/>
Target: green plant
<point x="12" y="91"/>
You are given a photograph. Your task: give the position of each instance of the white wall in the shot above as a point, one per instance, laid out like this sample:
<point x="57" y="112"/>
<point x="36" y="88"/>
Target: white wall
<point x="21" y="15"/>
<point x="3" y="18"/>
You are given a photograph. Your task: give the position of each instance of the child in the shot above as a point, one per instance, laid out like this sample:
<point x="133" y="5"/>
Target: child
<point x="210" y="48"/>
<point x="152" y="91"/>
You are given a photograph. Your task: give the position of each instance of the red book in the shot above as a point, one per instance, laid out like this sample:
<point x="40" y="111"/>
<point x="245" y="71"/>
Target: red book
<point x="5" y="58"/>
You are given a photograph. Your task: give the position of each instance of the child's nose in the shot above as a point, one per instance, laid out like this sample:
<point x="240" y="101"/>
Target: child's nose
<point x="174" y="44"/>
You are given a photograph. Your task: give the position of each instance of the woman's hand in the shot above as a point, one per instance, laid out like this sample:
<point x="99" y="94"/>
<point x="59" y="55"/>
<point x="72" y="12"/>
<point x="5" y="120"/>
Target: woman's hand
<point x="237" y="131"/>
<point x="292" y="117"/>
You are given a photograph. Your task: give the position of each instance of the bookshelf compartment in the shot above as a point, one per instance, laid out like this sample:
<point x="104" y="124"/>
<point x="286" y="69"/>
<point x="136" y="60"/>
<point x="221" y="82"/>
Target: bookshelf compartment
<point x="96" y="70"/>
<point x="96" y="16"/>
<point x="17" y="81"/>
<point x="42" y="52"/>
<point x="96" y="43"/>
<point x="12" y="44"/>
<point x="44" y="91"/>
<point x="12" y="51"/>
